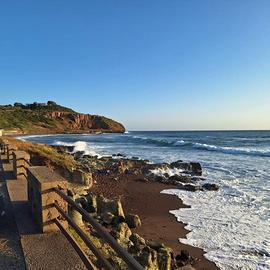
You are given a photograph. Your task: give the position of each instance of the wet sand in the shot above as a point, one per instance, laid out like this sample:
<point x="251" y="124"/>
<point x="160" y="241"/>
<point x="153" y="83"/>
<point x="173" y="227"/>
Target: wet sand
<point x="145" y="199"/>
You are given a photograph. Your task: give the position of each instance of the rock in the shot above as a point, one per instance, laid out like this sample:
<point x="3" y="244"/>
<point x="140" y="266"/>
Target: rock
<point x="117" y="220"/>
<point x="157" y="178"/>
<point x="82" y="178"/>
<point x="122" y="234"/>
<point x="83" y="202"/>
<point x="183" y="259"/>
<point x="154" y="245"/>
<point x="211" y="187"/>
<point x="142" y="179"/>
<point x="78" y="155"/>
<point x="133" y="221"/>
<point x="180" y="178"/>
<point x="70" y="193"/>
<point x="76" y="216"/>
<point x="191" y="187"/>
<point x="113" y="206"/>
<point x="196" y="168"/>
<point x="118" y="155"/>
<point x="164" y="258"/>
<point x="179" y="164"/>
<point x="189" y="167"/>
<point x="92" y="202"/>
<point x="137" y="241"/>
<point x="107" y="218"/>
<point x="187" y="267"/>
<point x="148" y="259"/>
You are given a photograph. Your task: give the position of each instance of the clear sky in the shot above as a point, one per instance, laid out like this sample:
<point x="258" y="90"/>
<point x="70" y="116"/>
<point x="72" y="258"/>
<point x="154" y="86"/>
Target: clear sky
<point x="151" y="64"/>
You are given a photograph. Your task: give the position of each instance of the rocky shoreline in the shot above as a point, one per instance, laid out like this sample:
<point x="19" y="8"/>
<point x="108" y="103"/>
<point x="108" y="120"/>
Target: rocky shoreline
<point x="183" y="175"/>
<point x="124" y="195"/>
<point x="123" y="226"/>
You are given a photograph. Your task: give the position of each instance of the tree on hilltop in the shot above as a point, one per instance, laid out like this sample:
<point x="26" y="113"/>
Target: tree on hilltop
<point x="51" y="103"/>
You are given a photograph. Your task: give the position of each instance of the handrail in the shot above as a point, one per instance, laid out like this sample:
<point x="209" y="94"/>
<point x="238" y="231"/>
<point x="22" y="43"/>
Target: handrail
<point x="73" y="242"/>
<point x="122" y="253"/>
<point x="84" y="237"/>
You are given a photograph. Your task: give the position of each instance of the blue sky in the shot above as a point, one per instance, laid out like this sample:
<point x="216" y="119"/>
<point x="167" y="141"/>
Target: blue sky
<point x="153" y="65"/>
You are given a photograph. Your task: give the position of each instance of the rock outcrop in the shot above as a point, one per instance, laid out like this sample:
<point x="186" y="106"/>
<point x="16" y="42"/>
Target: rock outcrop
<point x="40" y="118"/>
<point x="151" y="255"/>
<point x="86" y="122"/>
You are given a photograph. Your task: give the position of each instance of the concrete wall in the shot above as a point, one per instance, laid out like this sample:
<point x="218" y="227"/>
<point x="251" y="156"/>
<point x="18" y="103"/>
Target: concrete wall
<point x="41" y="181"/>
<point x="20" y="161"/>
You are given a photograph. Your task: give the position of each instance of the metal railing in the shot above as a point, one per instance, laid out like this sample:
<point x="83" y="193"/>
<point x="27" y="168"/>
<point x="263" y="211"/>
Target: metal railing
<point x="120" y="251"/>
<point x="101" y="231"/>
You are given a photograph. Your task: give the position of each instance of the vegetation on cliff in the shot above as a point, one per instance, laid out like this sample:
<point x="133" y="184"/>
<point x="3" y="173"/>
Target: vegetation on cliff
<point x="52" y="118"/>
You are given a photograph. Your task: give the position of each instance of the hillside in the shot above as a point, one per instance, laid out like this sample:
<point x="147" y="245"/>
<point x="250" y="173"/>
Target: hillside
<point x="40" y="118"/>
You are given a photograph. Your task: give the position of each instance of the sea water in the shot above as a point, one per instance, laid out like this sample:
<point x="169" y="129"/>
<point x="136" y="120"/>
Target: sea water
<point x="233" y="224"/>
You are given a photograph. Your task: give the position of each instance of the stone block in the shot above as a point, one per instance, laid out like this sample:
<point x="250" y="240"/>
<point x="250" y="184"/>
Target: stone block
<point x="21" y="161"/>
<point x="41" y="181"/>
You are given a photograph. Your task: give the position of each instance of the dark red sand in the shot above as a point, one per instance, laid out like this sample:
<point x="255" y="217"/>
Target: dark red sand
<point x="145" y="199"/>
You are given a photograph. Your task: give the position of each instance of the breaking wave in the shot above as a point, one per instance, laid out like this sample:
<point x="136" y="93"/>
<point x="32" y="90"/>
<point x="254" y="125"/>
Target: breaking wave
<point x="207" y="147"/>
<point x="79" y="146"/>
<point x="232" y="150"/>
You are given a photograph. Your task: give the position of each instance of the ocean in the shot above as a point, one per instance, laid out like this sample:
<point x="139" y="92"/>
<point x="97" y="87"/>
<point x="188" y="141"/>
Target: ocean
<point x="231" y="225"/>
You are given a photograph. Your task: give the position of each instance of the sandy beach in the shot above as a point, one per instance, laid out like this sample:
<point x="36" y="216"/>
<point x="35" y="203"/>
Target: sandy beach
<point x="145" y="199"/>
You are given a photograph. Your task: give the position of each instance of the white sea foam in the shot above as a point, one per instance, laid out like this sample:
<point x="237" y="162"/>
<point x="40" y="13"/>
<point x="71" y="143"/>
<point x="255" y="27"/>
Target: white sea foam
<point x="79" y="146"/>
<point x="232" y="150"/>
<point x="228" y="228"/>
<point x="166" y="170"/>
<point x="27" y="137"/>
<point x="180" y="143"/>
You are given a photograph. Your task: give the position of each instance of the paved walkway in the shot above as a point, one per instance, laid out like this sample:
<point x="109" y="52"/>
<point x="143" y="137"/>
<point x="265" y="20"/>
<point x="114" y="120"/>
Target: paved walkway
<point x="11" y="254"/>
<point x="39" y="251"/>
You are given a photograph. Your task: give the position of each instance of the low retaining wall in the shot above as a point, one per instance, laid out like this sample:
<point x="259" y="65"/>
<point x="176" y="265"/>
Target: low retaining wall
<point x="21" y="161"/>
<point x="41" y="196"/>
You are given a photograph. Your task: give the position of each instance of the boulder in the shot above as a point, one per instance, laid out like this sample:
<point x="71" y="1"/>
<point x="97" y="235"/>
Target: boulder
<point x="211" y="187"/>
<point x="117" y="220"/>
<point x="122" y="234"/>
<point x="83" y="202"/>
<point x="189" y="167"/>
<point x="138" y="241"/>
<point x="183" y="259"/>
<point x="92" y="202"/>
<point x="78" y="155"/>
<point x="70" y="193"/>
<point x="107" y="218"/>
<point x="133" y="221"/>
<point x="187" y="267"/>
<point x="164" y="258"/>
<point x="113" y="206"/>
<point x="179" y="164"/>
<point x="180" y="178"/>
<point x="191" y="187"/>
<point x="82" y="178"/>
<point x="76" y="216"/>
<point x="155" y="245"/>
<point x="148" y="259"/>
<point x="196" y="168"/>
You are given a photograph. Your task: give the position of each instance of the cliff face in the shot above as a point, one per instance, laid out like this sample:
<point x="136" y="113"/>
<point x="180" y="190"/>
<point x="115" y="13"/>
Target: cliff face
<point x="86" y="122"/>
<point x="41" y="118"/>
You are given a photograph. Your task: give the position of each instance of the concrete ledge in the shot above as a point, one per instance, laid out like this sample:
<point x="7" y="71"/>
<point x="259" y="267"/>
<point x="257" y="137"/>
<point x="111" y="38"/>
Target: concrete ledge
<point x="41" y="181"/>
<point x="21" y="161"/>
